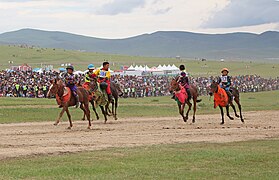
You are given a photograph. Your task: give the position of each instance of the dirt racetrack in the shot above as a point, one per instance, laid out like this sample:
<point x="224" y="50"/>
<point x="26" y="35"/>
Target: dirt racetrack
<point x="24" y="139"/>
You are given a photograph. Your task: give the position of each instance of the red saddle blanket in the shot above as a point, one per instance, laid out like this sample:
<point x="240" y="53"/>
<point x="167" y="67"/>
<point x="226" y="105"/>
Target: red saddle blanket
<point x="181" y="95"/>
<point x="66" y="96"/>
<point x="221" y="98"/>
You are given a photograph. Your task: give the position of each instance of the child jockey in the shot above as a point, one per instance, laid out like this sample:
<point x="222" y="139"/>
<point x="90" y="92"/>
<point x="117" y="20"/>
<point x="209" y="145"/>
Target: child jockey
<point x="225" y="82"/>
<point x="103" y="75"/>
<point x="89" y="76"/>
<point x="184" y="81"/>
<point x="71" y="83"/>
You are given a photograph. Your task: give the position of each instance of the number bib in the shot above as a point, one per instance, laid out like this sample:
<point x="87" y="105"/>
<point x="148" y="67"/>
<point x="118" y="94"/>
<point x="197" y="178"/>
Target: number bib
<point x="103" y="74"/>
<point x="224" y="79"/>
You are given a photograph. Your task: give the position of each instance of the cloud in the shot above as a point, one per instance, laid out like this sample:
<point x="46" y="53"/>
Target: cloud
<point x="120" y="6"/>
<point x="240" y="13"/>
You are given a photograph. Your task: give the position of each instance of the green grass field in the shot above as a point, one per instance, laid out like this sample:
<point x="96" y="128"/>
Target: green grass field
<point x="23" y="110"/>
<point x="35" y="57"/>
<point x="239" y="160"/>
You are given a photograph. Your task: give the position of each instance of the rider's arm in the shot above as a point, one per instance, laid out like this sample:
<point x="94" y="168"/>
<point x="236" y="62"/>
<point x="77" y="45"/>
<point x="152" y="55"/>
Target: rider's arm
<point x="97" y="72"/>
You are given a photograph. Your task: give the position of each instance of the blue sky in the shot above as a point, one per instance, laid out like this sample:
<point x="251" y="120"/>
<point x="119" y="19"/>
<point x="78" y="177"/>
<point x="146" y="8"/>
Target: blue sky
<point x="125" y="18"/>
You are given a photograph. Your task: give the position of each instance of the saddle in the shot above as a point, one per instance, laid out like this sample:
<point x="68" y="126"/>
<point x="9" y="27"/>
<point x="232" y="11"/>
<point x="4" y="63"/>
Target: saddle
<point x="66" y="96"/>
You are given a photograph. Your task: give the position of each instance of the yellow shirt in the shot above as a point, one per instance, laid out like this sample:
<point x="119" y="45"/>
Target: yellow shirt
<point x="102" y="73"/>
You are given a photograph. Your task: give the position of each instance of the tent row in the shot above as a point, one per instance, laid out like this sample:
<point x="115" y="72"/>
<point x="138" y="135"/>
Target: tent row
<point x="158" y="68"/>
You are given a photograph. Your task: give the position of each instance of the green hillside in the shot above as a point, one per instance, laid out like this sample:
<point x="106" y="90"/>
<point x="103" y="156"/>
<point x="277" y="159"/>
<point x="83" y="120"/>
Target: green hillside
<point x="37" y="56"/>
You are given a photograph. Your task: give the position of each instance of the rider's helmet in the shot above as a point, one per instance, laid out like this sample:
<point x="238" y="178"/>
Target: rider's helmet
<point x="91" y="66"/>
<point x="70" y="67"/>
<point x="225" y="69"/>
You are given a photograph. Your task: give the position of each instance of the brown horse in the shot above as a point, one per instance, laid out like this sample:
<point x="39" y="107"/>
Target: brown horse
<point x="174" y="87"/>
<point x="116" y="92"/>
<point x="93" y="88"/>
<point x="214" y="89"/>
<point x="58" y="89"/>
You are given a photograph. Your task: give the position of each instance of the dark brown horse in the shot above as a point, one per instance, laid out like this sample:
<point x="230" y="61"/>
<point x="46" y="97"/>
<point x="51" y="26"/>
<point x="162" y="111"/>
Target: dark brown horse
<point x="214" y="89"/>
<point x="116" y="92"/>
<point x="58" y="89"/>
<point x="174" y="87"/>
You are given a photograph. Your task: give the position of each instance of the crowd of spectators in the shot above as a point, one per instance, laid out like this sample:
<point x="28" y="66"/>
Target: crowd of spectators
<point x="31" y="84"/>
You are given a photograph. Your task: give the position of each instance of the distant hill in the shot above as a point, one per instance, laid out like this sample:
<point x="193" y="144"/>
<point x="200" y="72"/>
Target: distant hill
<point x="158" y="44"/>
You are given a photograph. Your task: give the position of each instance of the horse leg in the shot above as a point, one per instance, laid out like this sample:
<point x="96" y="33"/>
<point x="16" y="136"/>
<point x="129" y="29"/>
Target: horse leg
<point x="189" y="109"/>
<point x="228" y="113"/>
<point x="222" y="114"/>
<point x="239" y="107"/>
<point x="60" y="116"/>
<point x="115" y="112"/>
<point x="69" y="117"/>
<point x="94" y="109"/>
<point x="84" y="111"/>
<point x="104" y="113"/>
<point x="181" y="111"/>
<point x="86" y="107"/>
<point x="233" y="106"/>
<point x="195" y="109"/>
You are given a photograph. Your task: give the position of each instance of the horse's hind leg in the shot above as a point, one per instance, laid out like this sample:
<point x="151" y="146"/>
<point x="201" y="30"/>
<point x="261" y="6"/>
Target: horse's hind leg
<point x="86" y="107"/>
<point x="69" y="117"/>
<point x="228" y="112"/>
<point x="195" y="109"/>
<point x="240" y="110"/>
<point x="233" y="106"/>
<point x="84" y="112"/>
<point x="189" y="109"/>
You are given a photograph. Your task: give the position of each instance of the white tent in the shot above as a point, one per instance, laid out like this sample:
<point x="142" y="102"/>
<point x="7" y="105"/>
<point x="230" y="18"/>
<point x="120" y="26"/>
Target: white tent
<point x="160" y="66"/>
<point x="131" y="68"/>
<point x="137" y="68"/>
<point x="173" y="67"/>
<point x="146" y="68"/>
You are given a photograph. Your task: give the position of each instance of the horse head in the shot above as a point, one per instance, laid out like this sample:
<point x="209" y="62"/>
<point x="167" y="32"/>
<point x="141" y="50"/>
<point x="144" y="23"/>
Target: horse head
<point x="56" y="87"/>
<point x="213" y="88"/>
<point x="174" y="86"/>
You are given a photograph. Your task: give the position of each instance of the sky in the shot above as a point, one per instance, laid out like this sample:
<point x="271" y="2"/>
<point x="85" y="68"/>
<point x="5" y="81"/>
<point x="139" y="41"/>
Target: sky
<point x="126" y="18"/>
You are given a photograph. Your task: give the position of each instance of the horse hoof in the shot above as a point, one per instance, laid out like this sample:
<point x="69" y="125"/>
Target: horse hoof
<point x="231" y="118"/>
<point x="193" y="121"/>
<point x="222" y="123"/>
<point x="69" y="127"/>
<point x="98" y="118"/>
<point x="185" y="119"/>
<point x="237" y="116"/>
<point x="82" y="119"/>
<point x="55" y="124"/>
<point x="115" y="119"/>
<point x="88" y="127"/>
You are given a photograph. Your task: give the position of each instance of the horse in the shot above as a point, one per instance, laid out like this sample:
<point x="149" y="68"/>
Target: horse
<point x="176" y="87"/>
<point x="66" y="99"/>
<point x="215" y="89"/>
<point x="93" y="91"/>
<point x="116" y="92"/>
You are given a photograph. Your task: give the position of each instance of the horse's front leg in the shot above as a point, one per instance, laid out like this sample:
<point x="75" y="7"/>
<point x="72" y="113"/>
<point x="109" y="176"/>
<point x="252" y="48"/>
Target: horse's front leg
<point x="181" y="111"/>
<point x="94" y="109"/>
<point x="222" y="115"/>
<point x="60" y="116"/>
<point x="69" y="117"/>
<point x="228" y="113"/>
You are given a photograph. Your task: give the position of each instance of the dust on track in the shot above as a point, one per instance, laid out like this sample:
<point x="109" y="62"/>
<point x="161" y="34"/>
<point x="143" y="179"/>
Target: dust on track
<point x="24" y="139"/>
